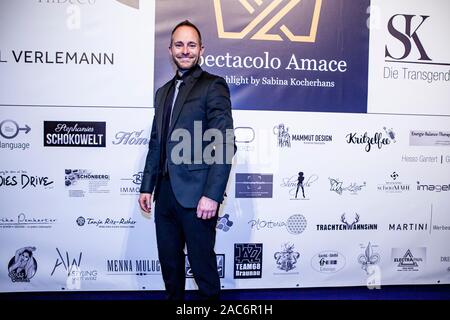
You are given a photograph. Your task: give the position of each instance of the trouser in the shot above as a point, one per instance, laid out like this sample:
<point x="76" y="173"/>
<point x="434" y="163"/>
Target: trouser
<point x="175" y="227"/>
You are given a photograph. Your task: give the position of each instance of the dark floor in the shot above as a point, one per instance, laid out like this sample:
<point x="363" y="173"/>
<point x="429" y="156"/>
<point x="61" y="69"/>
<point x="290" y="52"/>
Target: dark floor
<point x="410" y="292"/>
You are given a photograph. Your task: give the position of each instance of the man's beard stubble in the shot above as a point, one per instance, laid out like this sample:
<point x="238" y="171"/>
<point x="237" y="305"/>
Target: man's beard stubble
<point x="179" y="67"/>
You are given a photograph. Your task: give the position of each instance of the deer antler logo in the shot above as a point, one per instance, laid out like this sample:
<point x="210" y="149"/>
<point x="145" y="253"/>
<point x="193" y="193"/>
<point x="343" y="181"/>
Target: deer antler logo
<point x="350" y="225"/>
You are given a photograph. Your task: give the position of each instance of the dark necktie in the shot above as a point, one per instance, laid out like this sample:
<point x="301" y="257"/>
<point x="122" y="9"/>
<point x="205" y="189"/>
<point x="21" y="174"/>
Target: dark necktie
<point x="167" y="115"/>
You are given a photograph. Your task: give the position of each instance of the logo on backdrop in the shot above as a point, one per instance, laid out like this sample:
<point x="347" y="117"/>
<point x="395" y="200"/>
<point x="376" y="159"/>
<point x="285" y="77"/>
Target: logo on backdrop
<point x="23" y="266"/>
<point x="295" y="224"/>
<point x="63" y="261"/>
<point x="278" y="46"/>
<point x="284" y="138"/>
<point x="137" y="267"/>
<point x="426" y="159"/>
<point x="224" y="223"/>
<point x="445" y="227"/>
<point x="106" y="223"/>
<point x="337" y="186"/>
<point x="10" y="130"/>
<point x="394" y="185"/>
<point x="297" y="184"/>
<point x="52" y="58"/>
<point x="262" y="33"/>
<point x="24" y="221"/>
<point x="248" y="260"/>
<point x="131" y="138"/>
<point x="220" y="258"/>
<point x="71" y="267"/>
<point x="74" y="134"/>
<point x="433" y="187"/>
<point x="79" y="182"/>
<point x="244" y="134"/>
<point x="407" y="36"/>
<point x="286" y="258"/>
<point x="409" y="259"/>
<point x="328" y="262"/>
<point x="24" y="180"/>
<point x="369" y="258"/>
<point x="405" y="51"/>
<point x="70" y="2"/>
<point x="429" y="138"/>
<point x="441" y="227"/>
<point x="349" y="222"/>
<point x="131" y="186"/>
<point x="445" y="260"/>
<point x="244" y="138"/>
<point x="254" y="185"/>
<point x="409" y="226"/>
<point x="372" y="142"/>
<point x="130" y="3"/>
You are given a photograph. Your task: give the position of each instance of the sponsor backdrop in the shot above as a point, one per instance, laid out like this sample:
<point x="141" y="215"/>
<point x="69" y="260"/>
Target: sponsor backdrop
<point x="341" y="108"/>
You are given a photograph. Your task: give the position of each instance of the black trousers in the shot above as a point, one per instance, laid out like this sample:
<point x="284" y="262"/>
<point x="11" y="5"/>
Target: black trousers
<point x="175" y="227"/>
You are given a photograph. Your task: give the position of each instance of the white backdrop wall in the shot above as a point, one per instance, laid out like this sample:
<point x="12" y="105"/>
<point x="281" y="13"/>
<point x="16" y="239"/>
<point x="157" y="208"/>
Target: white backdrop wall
<point x="372" y="213"/>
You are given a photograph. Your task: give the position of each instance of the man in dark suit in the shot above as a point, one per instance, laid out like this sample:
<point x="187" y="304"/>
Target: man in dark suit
<point x="187" y="166"/>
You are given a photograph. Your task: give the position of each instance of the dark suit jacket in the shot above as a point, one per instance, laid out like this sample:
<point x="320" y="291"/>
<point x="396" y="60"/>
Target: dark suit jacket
<point x="203" y="102"/>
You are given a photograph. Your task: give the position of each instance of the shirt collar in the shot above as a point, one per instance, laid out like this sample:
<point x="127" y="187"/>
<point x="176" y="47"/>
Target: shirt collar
<point x="185" y="74"/>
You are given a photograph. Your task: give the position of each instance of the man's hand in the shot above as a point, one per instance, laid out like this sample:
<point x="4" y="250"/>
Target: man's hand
<point x="206" y="208"/>
<point x="145" y="202"/>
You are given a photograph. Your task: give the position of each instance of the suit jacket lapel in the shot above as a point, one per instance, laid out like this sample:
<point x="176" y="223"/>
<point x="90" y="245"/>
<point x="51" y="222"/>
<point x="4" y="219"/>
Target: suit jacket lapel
<point x="160" y="104"/>
<point x="182" y="96"/>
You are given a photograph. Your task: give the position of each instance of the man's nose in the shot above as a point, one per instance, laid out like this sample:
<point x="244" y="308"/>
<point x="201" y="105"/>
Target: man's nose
<point x="185" y="49"/>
